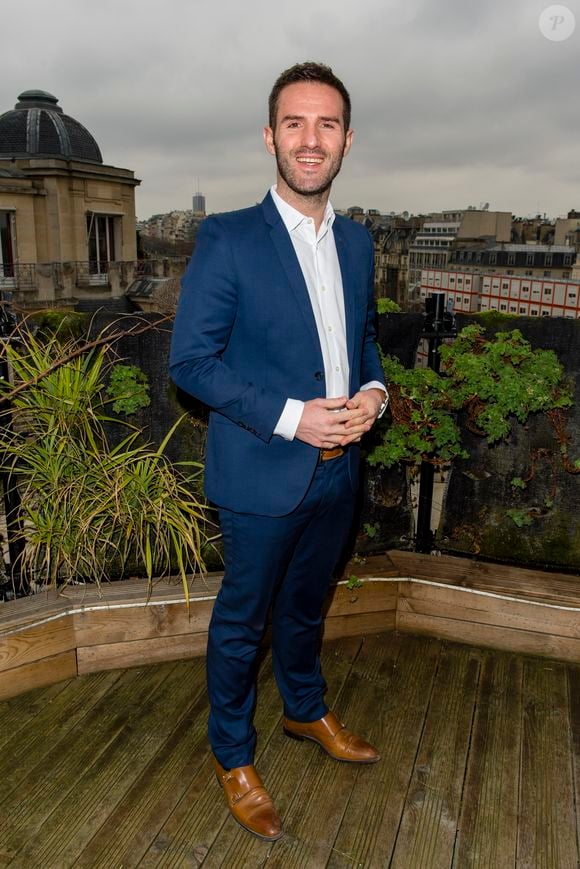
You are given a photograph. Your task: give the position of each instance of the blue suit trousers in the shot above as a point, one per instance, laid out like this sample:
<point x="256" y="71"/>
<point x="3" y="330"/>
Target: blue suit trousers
<point x="283" y="565"/>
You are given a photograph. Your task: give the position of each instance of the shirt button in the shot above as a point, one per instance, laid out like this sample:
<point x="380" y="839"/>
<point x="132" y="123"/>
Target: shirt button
<point x="323" y="289"/>
<point x="330" y="328"/>
<point x="337" y="368"/>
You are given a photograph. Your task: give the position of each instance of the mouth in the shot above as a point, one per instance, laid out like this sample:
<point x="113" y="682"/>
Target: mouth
<point x="309" y="159"/>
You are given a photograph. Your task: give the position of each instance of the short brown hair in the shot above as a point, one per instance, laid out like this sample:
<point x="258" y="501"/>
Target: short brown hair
<point x="309" y="71"/>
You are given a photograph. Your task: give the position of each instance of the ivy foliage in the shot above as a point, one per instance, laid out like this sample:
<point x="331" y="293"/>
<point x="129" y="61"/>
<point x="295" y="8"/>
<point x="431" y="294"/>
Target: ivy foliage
<point x="495" y="380"/>
<point x="128" y="389"/>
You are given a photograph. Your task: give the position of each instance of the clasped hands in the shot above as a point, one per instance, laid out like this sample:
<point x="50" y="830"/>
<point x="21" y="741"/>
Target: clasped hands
<point x="336" y="422"/>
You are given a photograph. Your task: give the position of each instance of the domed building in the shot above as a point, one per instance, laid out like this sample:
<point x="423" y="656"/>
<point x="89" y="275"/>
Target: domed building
<point x="67" y="220"/>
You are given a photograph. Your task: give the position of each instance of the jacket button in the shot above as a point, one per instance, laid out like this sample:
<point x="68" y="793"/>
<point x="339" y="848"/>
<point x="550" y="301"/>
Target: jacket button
<point x="319" y="375"/>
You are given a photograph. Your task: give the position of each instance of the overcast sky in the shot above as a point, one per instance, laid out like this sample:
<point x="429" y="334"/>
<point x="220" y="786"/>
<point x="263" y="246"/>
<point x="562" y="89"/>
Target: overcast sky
<point x="455" y="102"/>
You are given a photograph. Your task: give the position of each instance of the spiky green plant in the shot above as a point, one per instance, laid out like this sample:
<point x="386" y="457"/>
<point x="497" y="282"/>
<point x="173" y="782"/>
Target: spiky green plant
<point x="91" y="510"/>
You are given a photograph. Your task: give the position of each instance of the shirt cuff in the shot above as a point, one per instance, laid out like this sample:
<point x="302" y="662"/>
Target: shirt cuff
<point x="376" y="384"/>
<point x="289" y="419"/>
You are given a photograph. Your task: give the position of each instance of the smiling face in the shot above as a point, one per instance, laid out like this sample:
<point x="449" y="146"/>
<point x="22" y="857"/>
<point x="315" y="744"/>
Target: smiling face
<point x="309" y="141"/>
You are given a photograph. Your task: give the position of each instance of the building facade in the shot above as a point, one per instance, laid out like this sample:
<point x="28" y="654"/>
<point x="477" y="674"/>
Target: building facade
<point x="67" y="220"/>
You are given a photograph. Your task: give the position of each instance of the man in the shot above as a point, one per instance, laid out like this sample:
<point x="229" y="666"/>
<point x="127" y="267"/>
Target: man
<point x="274" y="331"/>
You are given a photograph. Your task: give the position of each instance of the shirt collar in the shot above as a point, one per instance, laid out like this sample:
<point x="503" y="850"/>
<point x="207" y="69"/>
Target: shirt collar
<point x="292" y="218"/>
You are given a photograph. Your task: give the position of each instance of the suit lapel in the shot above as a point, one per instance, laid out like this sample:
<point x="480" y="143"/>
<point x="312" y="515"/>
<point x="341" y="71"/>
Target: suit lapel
<point x="346" y="270"/>
<point x="291" y="266"/>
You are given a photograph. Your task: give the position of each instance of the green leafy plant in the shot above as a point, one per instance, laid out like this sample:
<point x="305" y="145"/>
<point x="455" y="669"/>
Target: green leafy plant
<point x="387" y="306"/>
<point x="128" y="389"/>
<point x="519" y="517"/>
<point x="495" y="381"/>
<point x="353" y="582"/>
<point x="91" y="510"/>
<point x="370" y="529"/>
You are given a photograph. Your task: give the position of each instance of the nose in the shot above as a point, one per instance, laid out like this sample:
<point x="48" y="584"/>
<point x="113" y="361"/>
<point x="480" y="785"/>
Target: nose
<point x="310" y="135"/>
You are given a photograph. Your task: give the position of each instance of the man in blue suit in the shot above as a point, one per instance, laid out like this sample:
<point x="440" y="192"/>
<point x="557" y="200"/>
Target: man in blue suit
<point x="274" y="331"/>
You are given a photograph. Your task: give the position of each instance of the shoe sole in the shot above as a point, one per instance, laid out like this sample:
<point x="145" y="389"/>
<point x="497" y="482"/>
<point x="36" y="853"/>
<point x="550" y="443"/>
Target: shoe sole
<point x="300" y="738"/>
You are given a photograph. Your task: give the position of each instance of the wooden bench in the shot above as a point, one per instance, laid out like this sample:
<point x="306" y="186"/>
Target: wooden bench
<point x="53" y="636"/>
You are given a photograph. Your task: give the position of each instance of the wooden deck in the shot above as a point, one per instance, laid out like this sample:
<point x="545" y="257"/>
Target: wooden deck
<point x="480" y="766"/>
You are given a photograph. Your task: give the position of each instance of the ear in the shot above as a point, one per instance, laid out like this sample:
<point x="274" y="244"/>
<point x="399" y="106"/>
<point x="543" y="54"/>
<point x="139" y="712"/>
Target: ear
<point x="347" y="142"/>
<point x="269" y="140"/>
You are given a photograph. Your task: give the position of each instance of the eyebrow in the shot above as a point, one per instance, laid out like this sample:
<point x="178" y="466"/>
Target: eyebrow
<point x="334" y="120"/>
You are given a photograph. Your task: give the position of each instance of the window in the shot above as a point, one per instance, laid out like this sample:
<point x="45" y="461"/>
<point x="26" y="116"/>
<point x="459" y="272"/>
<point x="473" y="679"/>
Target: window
<point x="547" y="273"/>
<point x="547" y="291"/>
<point x="522" y="310"/>
<point x="529" y="259"/>
<point x="492" y="259"/>
<point x="503" y="307"/>
<point x="529" y="272"/>
<point x="6" y="245"/>
<point x="548" y="259"/>
<point x="525" y="288"/>
<point x="567" y="259"/>
<point x="505" y="285"/>
<point x="534" y="312"/>
<point x="101" y="243"/>
<point x="511" y="260"/>
<point x="513" y="309"/>
<point x="565" y="274"/>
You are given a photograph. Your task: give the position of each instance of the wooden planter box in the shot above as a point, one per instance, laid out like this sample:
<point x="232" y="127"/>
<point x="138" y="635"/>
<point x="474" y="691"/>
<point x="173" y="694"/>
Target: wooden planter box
<point x="50" y="637"/>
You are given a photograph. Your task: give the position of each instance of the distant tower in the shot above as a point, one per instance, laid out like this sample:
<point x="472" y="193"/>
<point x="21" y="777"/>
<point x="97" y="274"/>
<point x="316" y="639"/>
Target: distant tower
<point x="199" y="202"/>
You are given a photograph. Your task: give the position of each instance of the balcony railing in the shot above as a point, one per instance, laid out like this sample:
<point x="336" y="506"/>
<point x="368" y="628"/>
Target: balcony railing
<point x="67" y="277"/>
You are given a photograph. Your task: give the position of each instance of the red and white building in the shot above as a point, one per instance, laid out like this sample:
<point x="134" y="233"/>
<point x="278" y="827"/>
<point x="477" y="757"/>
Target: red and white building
<point x="510" y="294"/>
<point x="524" y="296"/>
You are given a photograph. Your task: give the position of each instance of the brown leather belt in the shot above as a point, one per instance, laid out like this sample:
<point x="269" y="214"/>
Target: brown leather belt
<point x="327" y="455"/>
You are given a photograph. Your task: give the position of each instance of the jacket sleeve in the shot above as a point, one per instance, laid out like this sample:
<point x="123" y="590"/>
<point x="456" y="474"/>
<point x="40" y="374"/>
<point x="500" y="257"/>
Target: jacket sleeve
<point x="205" y="317"/>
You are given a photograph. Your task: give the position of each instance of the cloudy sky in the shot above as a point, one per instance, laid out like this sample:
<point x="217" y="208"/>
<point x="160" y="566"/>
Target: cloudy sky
<point x="455" y="102"/>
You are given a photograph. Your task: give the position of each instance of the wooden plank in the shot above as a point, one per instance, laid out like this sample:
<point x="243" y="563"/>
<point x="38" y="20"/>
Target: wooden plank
<point x="18" y="680"/>
<point x="429" y="822"/>
<point x="132" y="824"/>
<point x="488" y="827"/>
<point x="35" y="643"/>
<point x="39" y="794"/>
<point x="63" y="835"/>
<point x="138" y="653"/>
<point x="201" y="814"/>
<point x="369" y="827"/>
<point x="29" y="744"/>
<point x="361" y="625"/>
<point x="107" y="627"/>
<point x="547" y="831"/>
<point x="18" y="711"/>
<point x="369" y="597"/>
<point x="574" y="699"/>
<point x="492" y="636"/>
<point x="50" y="603"/>
<point x="451" y="603"/>
<point x="529" y="584"/>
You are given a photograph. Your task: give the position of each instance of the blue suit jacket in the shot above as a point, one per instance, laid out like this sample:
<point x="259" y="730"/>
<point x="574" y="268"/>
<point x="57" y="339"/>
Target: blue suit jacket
<point x="245" y="340"/>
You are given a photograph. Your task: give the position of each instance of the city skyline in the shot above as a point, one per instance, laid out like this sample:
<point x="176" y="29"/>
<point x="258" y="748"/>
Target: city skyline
<point x="454" y="105"/>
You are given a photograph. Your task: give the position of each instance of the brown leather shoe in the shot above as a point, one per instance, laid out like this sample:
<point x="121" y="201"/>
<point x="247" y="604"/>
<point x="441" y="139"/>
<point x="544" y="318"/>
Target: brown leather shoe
<point x="249" y="801"/>
<point x="334" y="738"/>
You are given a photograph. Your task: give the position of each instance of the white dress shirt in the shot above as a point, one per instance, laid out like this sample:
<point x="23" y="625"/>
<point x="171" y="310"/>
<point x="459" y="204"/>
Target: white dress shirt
<point x="321" y="269"/>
